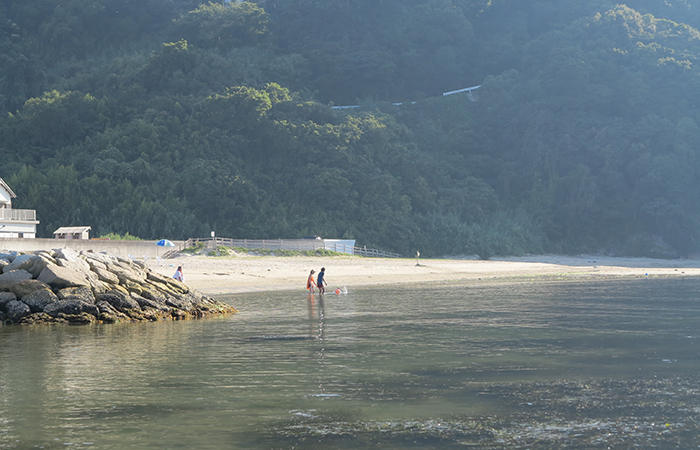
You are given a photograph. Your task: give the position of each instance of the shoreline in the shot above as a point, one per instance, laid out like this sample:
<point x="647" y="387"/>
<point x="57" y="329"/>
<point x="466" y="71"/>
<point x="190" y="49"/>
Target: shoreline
<point x="248" y="274"/>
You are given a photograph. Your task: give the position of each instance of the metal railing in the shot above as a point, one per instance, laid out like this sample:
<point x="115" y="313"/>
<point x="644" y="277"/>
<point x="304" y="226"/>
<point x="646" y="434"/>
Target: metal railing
<point x="374" y="253"/>
<point x="288" y="244"/>
<point x="28" y="215"/>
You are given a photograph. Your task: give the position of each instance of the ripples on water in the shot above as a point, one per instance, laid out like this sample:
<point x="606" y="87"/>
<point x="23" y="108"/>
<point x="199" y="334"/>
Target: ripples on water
<point x="542" y="365"/>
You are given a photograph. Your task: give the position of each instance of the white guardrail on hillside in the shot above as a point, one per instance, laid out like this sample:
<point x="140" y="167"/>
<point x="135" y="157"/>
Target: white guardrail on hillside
<point x="458" y="91"/>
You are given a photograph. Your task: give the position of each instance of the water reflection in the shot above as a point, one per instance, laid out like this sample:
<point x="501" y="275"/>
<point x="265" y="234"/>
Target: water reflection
<point x="316" y="315"/>
<point x="342" y="370"/>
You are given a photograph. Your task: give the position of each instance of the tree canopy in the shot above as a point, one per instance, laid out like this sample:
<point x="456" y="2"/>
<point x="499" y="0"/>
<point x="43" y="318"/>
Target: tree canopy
<point x="175" y="118"/>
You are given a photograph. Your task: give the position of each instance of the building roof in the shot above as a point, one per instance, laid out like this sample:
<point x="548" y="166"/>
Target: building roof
<point x="72" y="230"/>
<point x="7" y="188"/>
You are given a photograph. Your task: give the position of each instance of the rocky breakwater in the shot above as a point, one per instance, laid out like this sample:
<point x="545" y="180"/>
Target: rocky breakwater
<point x="67" y="286"/>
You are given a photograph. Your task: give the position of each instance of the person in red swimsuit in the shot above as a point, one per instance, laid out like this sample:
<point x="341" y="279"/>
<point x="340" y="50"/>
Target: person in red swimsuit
<point x="310" y="282"/>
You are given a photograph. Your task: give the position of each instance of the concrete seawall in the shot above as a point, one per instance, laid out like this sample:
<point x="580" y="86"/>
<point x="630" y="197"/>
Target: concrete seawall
<point x="135" y="249"/>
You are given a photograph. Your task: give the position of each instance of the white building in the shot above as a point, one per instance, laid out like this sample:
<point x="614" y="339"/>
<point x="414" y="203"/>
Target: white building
<point x="15" y="223"/>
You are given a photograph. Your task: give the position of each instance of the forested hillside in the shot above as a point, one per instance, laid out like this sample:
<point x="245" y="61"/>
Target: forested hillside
<point x="172" y="118"/>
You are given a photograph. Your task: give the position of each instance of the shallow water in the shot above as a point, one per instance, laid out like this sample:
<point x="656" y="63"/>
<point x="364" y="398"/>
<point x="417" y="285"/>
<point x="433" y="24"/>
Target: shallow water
<point x="544" y="365"/>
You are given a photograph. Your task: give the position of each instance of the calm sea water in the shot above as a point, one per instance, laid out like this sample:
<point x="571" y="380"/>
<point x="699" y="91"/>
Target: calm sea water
<point x="541" y="365"/>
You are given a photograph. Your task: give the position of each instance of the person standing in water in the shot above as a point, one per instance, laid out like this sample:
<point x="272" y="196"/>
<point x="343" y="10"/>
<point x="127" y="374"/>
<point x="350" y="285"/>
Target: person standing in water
<point x="320" y="281"/>
<point x="310" y="282"/>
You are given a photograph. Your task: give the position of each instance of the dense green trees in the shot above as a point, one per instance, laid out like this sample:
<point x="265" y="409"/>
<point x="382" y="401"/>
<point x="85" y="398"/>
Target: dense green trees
<point x="171" y="119"/>
<point x="394" y="49"/>
<point x="596" y="116"/>
<point x="223" y="25"/>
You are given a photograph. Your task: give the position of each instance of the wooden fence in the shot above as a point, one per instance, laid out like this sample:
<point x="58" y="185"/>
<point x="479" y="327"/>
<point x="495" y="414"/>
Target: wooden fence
<point x="374" y="253"/>
<point x="284" y="244"/>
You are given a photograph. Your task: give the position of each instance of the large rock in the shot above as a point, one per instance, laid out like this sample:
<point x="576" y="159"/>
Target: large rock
<point x="79" y="319"/>
<point x="40" y="263"/>
<point x="179" y="303"/>
<point x="15" y="310"/>
<point x="96" y="285"/>
<point x="9" y="257"/>
<point x="70" y="255"/>
<point x="26" y="287"/>
<point x="101" y="257"/>
<point x="145" y="303"/>
<point x="109" y="314"/>
<point x="70" y="307"/>
<point x="134" y="287"/>
<point x="49" y="254"/>
<point x="73" y="260"/>
<point x="5" y="298"/>
<point x="160" y="288"/>
<point x="105" y="275"/>
<point x="141" y="265"/>
<point x="39" y="300"/>
<point x="59" y="277"/>
<point x="114" y="288"/>
<point x="14" y="276"/>
<point x="7" y="279"/>
<point x="95" y="264"/>
<point x="129" y="265"/>
<point x="119" y="301"/>
<point x="125" y="274"/>
<point x="77" y="288"/>
<point x="81" y="293"/>
<point x="21" y="262"/>
<point x="75" y="265"/>
<point x="39" y="319"/>
<point x="154" y="294"/>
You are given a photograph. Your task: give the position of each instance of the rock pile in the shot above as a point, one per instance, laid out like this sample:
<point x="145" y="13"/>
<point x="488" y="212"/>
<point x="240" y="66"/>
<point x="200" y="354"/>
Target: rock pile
<point x="64" y="285"/>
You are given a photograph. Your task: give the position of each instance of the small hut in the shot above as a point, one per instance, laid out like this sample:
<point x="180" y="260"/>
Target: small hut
<point x="72" y="233"/>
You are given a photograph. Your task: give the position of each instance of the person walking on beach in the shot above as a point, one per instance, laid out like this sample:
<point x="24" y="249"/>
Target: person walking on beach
<point x="310" y="282"/>
<point x="320" y="281"/>
<point x="178" y="275"/>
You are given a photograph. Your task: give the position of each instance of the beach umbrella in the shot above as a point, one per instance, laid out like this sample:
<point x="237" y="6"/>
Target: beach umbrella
<point x="163" y="243"/>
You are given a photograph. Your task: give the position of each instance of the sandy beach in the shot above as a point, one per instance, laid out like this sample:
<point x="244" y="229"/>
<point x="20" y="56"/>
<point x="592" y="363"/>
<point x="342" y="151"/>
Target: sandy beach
<point x="245" y="273"/>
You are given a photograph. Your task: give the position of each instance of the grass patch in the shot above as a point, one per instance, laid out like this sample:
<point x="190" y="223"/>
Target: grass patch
<point x="118" y="237"/>
<point x="220" y="251"/>
<point x="196" y="248"/>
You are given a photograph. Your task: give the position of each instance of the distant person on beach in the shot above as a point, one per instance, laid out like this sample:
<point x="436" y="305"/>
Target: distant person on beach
<point x="320" y="281"/>
<point x="310" y="282"/>
<point x="178" y="275"/>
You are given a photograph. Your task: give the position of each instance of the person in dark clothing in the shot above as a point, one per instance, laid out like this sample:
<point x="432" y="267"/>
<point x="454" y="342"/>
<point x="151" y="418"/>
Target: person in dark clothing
<point x="320" y="281"/>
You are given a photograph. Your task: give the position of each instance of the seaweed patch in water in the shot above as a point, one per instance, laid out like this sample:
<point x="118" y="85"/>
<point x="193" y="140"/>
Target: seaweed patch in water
<point x="661" y="413"/>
